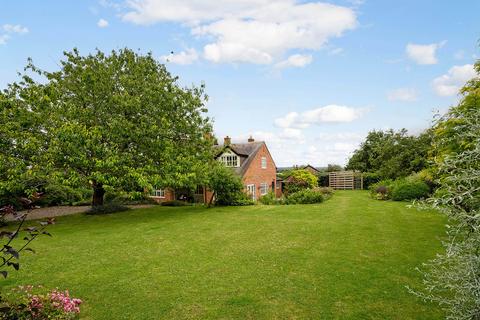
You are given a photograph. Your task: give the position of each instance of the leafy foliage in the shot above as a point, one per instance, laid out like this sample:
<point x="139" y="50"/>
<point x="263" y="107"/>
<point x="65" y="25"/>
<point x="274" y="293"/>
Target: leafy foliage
<point x="107" y="208"/>
<point x="10" y="255"/>
<point x="409" y="190"/>
<point x="116" y="120"/>
<point x="226" y="185"/>
<point x="37" y="303"/>
<point x="305" y="196"/>
<point x="300" y="179"/>
<point x="452" y="279"/>
<point x="390" y="154"/>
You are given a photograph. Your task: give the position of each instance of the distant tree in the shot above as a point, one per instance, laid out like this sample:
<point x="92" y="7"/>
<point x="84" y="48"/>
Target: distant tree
<point x="117" y="120"/>
<point x="392" y="154"/>
<point x="334" y="167"/>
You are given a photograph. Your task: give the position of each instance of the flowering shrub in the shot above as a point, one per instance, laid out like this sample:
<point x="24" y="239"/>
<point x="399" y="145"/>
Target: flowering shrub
<point x="37" y="303"/>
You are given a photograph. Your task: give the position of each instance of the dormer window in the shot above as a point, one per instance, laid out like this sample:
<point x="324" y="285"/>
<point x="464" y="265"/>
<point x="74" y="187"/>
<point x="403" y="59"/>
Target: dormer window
<point x="230" y="160"/>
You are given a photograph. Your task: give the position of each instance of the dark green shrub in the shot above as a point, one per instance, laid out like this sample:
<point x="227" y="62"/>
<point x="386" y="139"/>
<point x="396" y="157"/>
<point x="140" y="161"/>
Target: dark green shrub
<point x="174" y="203"/>
<point x="323" y="179"/>
<point x="370" y="178"/>
<point x="107" y="208"/>
<point x="57" y="194"/>
<point x="227" y="186"/>
<point x="409" y="190"/>
<point x="306" y="196"/>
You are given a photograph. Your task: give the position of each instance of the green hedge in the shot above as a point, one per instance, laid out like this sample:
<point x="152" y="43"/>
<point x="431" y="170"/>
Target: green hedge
<point x="409" y="190"/>
<point x="306" y="196"/>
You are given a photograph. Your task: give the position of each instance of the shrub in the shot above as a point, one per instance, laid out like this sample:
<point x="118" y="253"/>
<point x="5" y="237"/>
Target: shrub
<point x="409" y="190"/>
<point x="369" y="179"/>
<point x="107" y="208"/>
<point x="323" y="179"/>
<point x="271" y="199"/>
<point x="306" y="196"/>
<point x="174" y="203"/>
<point x="326" y="191"/>
<point x="299" y="180"/>
<point x="57" y="194"/>
<point x="381" y="190"/>
<point x="227" y="186"/>
<point x="29" y="302"/>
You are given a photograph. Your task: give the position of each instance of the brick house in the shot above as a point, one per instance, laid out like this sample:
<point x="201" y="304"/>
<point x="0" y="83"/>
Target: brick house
<point x="251" y="161"/>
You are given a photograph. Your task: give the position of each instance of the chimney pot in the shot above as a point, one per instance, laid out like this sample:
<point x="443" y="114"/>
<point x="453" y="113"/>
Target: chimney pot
<point x="251" y="139"/>
<point x="227" y="140"/>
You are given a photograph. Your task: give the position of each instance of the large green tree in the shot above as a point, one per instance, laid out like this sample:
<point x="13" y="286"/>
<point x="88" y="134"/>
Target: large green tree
<point x="392" y="154"/>
<point x="117" y="120"/>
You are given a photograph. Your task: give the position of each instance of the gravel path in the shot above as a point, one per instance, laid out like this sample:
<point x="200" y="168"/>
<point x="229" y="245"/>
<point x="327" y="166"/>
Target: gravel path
<point x="59" y="211"/>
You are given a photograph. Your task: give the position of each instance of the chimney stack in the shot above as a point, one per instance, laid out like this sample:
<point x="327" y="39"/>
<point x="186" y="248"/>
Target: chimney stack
<point x="251" y="139"/>
<point x="226" y="141"/>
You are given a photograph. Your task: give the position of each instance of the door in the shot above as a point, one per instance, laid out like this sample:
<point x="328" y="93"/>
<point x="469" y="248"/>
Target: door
<point x="251" y="191"/>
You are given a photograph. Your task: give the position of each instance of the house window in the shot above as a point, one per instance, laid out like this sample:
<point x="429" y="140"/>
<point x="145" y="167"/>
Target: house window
<point x="160" y="193"/>
<point x="229" y="160"/>
<point x="264" y="163"/>
<point x="251" y="191"/>
<point x="263" y="188"/>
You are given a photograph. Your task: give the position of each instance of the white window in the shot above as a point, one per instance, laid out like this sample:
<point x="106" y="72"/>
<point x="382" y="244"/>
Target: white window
<point x="160" y="193"/>
<point x="263" y="188"/>
<point x="264" y="163"/>
<point x="251" y="191"/>
<point x="229" y="160"/>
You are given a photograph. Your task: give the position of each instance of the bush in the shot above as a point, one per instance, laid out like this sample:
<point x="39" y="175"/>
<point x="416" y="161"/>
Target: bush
<point x="29" y="302"/>
<point x="299" y="180"/>
<point x="57" y="194"/>
<point x="306" y="196"/>
<point x="326" y="191"/>
<point x="323" y="179"/>
<point x="381" y="190"/>
<point x="227" y="186"/>
<point x="369" y="179"/>
<point x="107" y="208"/>
<point x="174" y="203"/>
<point x="271" y="199"/>
<point x="409" y="190"/>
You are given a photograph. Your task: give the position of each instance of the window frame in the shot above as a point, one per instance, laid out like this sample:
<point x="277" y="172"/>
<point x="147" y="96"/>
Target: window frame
<point x="159" y="193"/>
<point x="263" y="164"/>
<point x="230" y="160"/>
<point x="263" y="188"/>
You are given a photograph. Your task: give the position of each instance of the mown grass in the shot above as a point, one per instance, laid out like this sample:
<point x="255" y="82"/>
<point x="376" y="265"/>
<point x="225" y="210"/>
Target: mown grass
<point x="348" y="258"/>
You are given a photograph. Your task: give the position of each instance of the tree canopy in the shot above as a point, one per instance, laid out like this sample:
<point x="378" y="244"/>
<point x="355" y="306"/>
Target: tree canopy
<point x="392" y="154"/>
<point x="117" y="120"/>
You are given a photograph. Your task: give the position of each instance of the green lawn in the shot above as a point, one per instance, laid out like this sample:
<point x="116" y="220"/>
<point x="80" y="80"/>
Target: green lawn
<point x="348" y="258"/>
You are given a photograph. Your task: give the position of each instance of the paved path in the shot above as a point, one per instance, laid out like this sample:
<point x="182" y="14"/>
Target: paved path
<point x="59" y="211"/>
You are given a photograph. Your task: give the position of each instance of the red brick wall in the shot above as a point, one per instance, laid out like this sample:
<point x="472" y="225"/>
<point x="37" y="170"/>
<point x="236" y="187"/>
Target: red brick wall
<point x="256" y="175"/>
<point x="169" y="196"/>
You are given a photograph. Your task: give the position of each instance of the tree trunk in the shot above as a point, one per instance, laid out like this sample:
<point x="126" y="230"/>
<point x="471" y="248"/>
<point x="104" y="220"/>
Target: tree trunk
<point x="98" y="193"/>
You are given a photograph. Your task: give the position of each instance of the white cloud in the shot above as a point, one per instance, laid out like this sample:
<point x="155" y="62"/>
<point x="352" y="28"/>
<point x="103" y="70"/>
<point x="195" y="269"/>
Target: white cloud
<point x="424" y="53"/>
<point x="328" y="114"/>
<point x="336" y="51"/>
<point x="450" y="83"/>
<point x="7" y="30"/>
<point x="254" y="31"/>
<point x="403" y="94"/>
<point x="295" y="60"/>
<point x="102" y="23"/>
<point x="185" y="57"/>
<point x="10" y="28"/>
<point x="4" y="38"/>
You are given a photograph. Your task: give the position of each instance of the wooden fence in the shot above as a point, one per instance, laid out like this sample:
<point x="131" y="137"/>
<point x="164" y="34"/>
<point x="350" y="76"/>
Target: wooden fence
<point x="345" y="180"/>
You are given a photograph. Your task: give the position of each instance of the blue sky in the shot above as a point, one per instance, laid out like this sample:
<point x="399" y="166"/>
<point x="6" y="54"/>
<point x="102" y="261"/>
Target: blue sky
<point x="311" y="78"/>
